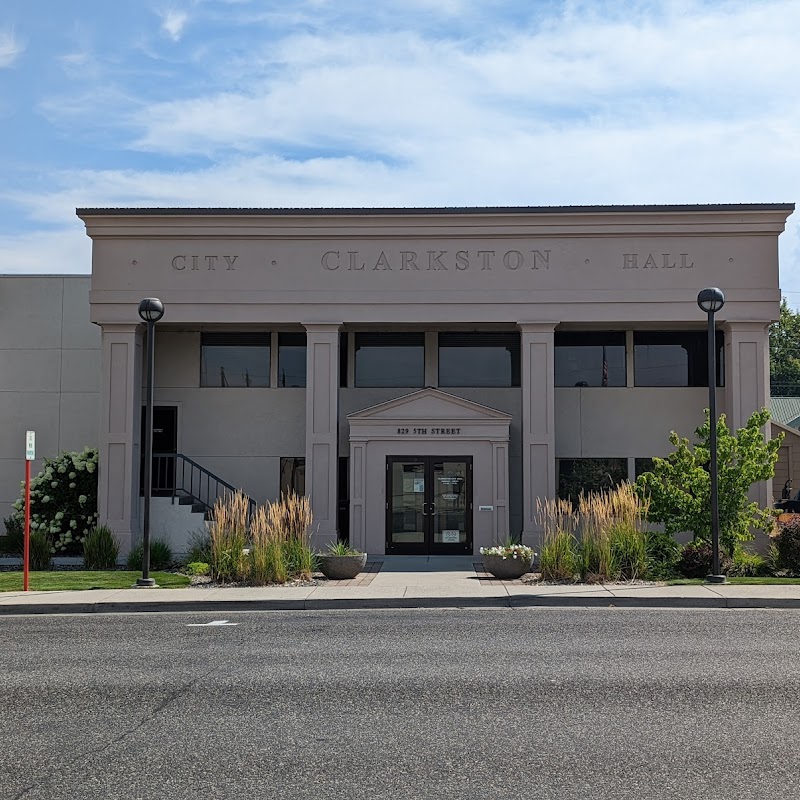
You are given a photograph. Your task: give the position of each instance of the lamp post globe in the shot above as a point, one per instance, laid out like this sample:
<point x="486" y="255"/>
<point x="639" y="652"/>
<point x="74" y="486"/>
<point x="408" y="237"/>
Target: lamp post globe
<point x="151" y="310"/>
<point x="711" y="300"/>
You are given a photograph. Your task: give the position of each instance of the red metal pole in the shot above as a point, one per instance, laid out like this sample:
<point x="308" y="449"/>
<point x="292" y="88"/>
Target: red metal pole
<point x="27" y="548"/>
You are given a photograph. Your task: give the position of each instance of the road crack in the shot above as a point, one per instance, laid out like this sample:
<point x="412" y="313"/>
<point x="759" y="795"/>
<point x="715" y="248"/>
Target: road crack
<point x="174" y="695"/>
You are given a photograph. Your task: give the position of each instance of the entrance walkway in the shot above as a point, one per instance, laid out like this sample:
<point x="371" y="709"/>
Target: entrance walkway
<point x="427" y="563"/>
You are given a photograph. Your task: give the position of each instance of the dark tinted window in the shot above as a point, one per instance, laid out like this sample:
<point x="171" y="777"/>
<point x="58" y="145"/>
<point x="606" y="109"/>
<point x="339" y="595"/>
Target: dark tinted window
<point x="343" y="359"/>
<point x="234" y="359"/>
<point x="643" y="465"/>
<point x="390" y="359"/>
<point x="293" y="475"/>
<point x="291" y="359"/>
<point x="590" y="359"/>
<point x="576" y="475"/>
<point x="674" y="358"/>
<point x="479" y="359"/>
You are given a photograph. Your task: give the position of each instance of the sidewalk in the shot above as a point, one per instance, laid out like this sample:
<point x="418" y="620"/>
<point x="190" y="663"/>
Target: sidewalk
<point x="400" y="582"/>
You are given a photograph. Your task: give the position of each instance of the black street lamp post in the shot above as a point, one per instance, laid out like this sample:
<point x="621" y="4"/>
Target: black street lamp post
<point x="151" y="309"/>
<point x="711" y="300"/>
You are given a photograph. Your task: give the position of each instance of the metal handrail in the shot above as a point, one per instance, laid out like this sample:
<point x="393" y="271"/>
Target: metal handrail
<point x="170" y="475"/>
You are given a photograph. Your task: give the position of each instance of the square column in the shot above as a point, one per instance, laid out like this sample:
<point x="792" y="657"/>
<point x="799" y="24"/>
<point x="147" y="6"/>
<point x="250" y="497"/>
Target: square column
<point x="538" y="421"/>
<point x="322" y="425"/>
<point x="747" y="382"/>
<point x="120" y="432"/>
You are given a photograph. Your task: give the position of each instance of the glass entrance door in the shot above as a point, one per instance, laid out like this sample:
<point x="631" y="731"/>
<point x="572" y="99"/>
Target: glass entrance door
<point x="429" y="505"/>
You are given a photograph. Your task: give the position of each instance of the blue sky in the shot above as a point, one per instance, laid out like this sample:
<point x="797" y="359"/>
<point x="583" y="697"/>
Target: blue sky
<point x="406" y="103"/>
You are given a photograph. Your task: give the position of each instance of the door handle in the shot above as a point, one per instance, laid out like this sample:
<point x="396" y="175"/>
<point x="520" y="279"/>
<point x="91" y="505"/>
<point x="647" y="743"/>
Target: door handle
<point x="433" y="506"/>
<point x="424" y="512"/>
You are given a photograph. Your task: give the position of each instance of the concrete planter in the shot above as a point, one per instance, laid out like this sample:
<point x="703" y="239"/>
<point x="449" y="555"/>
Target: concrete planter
<point x="506" y="568"/>
<point x="342" y="568"/>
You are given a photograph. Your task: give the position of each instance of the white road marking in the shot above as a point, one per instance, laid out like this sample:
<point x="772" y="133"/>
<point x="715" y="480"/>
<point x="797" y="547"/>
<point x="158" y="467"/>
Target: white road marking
<point x="216" y="623"/>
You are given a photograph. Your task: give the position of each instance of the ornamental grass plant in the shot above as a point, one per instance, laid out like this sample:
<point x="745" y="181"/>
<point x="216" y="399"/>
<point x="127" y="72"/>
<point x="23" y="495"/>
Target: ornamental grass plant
<point x="603" y="539"/>
<point x="272" y="546"/>
<point x="290" y="520"/>
<point x="228" y="532"/>
<point x="267" y="559"/>
<point x="558" y="559"/>
<point x="613" y="542"/>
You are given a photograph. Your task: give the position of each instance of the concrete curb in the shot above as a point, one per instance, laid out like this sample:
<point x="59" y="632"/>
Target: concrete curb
<point x="516" y="601"/>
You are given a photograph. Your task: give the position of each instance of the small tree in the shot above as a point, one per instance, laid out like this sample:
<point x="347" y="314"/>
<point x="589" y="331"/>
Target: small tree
<point x="784" y="353"/>
<point x="679" y="486"/>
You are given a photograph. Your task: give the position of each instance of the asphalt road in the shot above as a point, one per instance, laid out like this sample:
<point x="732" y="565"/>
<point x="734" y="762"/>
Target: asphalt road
<point x="514" y="703"/>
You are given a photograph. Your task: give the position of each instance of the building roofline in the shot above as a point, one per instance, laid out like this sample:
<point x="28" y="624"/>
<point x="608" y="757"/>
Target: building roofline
<point x="366" y="212"/>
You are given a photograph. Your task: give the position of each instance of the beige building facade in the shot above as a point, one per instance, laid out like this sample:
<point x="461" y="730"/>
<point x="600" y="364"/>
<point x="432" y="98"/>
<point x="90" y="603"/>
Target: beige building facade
<point x="425" y="375"/>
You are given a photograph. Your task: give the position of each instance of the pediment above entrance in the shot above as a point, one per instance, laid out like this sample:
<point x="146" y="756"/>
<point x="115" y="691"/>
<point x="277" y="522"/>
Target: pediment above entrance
<point x="428" y="404"/>
<point x="429" y="415"/>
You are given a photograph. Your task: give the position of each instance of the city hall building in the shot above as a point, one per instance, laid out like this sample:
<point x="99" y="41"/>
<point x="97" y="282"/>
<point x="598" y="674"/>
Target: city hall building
<point x="426" y="376"/>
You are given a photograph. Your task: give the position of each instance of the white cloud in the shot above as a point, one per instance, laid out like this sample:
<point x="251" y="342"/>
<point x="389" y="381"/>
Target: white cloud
<point x="11" y="48"/>
<point x="378" y="91"/>
<point x="688" y="103"/>
<point x="66" y="251"/>
<point x="173" y="22"/>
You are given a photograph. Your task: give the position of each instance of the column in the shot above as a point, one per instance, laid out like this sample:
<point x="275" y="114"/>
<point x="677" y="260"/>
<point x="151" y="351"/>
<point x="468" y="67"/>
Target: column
<point x="538" y="422"/>
<point x="120" y="432"/>
<point x="500" y="490"/>
<point x="747" y="382"/>
<point x="358" y="494"/>
<point x="322" y="422"/>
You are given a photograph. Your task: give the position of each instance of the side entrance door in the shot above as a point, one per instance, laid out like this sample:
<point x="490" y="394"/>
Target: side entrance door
<point x="165" y="446"/>
<point x="429" y="505"/>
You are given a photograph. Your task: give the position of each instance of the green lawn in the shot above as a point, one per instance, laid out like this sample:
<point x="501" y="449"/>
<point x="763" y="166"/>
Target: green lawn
<point x="61" y="581"/>
<point x="736" y="581"/>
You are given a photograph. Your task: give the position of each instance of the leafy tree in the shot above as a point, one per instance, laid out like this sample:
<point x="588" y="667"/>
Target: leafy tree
<point x="679" y="486"/>
<point x="784" y="353"/>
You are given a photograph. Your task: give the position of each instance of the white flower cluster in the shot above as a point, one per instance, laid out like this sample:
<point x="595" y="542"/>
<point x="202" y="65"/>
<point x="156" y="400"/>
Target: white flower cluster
<point x="520" y="551"/>
<point x="64" y="498"/>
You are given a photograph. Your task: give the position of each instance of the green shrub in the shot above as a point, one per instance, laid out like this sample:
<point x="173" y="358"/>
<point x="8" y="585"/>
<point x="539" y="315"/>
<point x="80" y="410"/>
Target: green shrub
<point x="101" y="549"/>
<point x="41" y="552"/>
<point x="695" y="560"/>
<point x="198" y="568"/>
<point x="199" y="547"/>
<point x="14" y="540"/>
<point x="746" y="564"/>
<point x="663" y="553"/>
<point x="64" y="499"/>
<point x="160" y="556"/>
<point x="787" y="545"/>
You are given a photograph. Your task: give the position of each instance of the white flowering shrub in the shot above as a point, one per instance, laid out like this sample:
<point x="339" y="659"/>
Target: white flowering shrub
<point x="64" y="499"/>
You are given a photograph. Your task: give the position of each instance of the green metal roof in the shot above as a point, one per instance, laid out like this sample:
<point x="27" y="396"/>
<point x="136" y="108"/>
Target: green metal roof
<point x="786" y="410"/>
